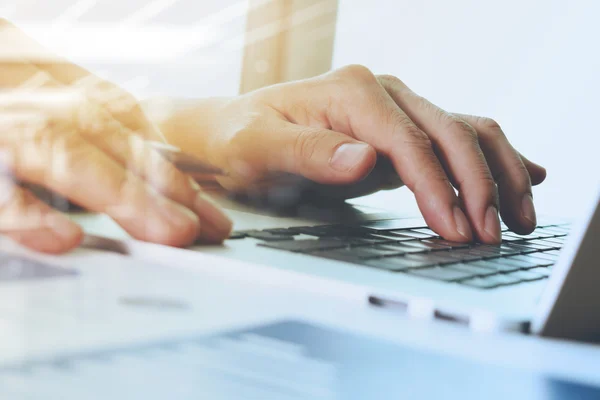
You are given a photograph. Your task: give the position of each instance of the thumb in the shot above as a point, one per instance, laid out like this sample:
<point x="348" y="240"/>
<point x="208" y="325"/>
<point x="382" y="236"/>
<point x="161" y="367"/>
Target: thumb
<point x="322" y="155"/>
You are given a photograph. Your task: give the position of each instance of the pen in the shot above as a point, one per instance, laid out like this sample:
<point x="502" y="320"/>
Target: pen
<point x="186" y="162"/>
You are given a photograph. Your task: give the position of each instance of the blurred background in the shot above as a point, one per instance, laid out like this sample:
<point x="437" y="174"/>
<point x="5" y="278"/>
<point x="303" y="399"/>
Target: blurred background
<point x="532" y="65"/>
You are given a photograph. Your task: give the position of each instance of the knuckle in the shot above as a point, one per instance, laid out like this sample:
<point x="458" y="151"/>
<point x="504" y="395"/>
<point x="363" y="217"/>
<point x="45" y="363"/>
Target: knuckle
<point x="489" y="124"/>
<point x="357" y="72"/>
<point x="306" y="144"/>
<point x="459" y="129"/>
<point x="410" y="134"/>
<point x="391" y="79"/>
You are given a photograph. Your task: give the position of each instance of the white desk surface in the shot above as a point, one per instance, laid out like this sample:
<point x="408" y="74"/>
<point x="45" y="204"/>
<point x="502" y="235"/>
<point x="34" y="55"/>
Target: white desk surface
<point x="88" y="314"/>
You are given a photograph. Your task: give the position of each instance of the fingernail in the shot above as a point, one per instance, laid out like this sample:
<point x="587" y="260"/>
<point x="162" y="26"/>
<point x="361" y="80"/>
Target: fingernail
<point x="492" y="223"/>
<point x="215" y="225"/>
<point x="348" y="155"/>
<point x="528" y="209"/>
<point x="462" y="223"/>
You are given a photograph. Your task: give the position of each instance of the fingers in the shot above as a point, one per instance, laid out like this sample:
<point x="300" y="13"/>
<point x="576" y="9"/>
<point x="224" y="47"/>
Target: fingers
<point x="34" y="224"/>
<point x="374" y="117"/>
<point x="148" y="164"/>
<point x="512" y="173"/>
<point x="70" y="166"/>
<point x="457" y="147"/>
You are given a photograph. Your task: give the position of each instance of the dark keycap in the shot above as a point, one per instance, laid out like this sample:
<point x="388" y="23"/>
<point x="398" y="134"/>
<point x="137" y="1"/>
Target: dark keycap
<point x="446" y="274"/>
<point x="394" y="224"/>
<point x="532" y="260"/>
<point x="495" y="265"/>
<point x="404" y="247"/>
<point x="473" y="269"/>
<point x="490" y="282"/>
<point x="397" y="263"/>
<point x="305" y="245"/>
<point x="526" y="276"/>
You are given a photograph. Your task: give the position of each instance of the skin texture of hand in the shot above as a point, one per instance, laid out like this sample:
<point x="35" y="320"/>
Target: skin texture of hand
<point x="85" y="139"/>
<point x="333" y="129"/>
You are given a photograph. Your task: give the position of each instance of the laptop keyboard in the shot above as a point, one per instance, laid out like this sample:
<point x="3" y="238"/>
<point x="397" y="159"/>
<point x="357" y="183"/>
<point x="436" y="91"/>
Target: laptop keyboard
<point x="420" y="252"/>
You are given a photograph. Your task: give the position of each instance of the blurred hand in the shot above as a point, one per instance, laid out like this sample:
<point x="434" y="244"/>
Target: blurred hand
<point x="333" y="129"/>
<point x="87" y="140"/>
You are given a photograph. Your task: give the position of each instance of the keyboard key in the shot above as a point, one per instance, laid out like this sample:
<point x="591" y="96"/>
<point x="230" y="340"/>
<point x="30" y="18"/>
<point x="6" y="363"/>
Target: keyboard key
<point x="495" y="265"/>
<point x="267" y="236"/>
<point x="559" y="240"/>
<point x="555" y="230"/>
<point x="526" y="276"/>
<point x="443" y="242"/>
<point x="463" y="255"/>
<point x="404" y="247"/>
<point x="520" y="262"/>
<point x="490" y="282"/>
<point x="474" y="269"/>
<point x="426" y="246"/>
<point x="426" y="231"/>
<point x="305" y="245"/>
<point x="432" y="258"/>
<point x="546" y="244"/>
<point x="395" y="224"/>
<point x="532" y="260"/>
<point x="398" y="264"/>
<point x="544" y="271"/>
<point x="355" y="253"/>
<point x="546" y="256"/>
<point x="523" y="248"/>
<point x="446" y="274"/>
<point x="512" y="239"/>
<point x="498" y="249"/>
<point x="392" y="236"/>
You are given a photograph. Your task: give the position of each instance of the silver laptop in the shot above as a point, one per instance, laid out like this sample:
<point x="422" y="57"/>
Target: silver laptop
<point x="544" y="283"/>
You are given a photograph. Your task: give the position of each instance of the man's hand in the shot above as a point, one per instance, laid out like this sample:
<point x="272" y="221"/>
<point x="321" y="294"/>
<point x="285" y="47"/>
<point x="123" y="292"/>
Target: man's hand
<point x="332" y="130"/>
<point x="85" y="139"/>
